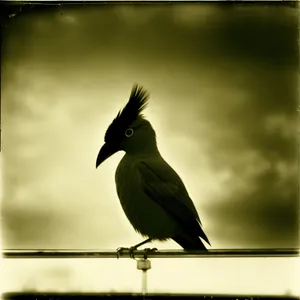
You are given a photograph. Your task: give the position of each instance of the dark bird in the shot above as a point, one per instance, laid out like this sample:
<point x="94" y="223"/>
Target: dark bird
<point x="151" y="193"/>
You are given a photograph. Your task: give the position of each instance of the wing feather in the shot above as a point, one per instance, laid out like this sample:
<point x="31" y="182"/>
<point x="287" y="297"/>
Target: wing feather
<point x="162" y="184"/>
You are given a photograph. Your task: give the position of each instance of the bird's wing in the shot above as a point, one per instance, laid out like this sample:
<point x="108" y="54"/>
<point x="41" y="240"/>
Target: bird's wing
<point x="162" y="184"/>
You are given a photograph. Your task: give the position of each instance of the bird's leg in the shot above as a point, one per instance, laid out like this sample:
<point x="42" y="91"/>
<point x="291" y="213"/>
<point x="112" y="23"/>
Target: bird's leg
<point x="142" y="243"/>
<point x="131" y="249"/>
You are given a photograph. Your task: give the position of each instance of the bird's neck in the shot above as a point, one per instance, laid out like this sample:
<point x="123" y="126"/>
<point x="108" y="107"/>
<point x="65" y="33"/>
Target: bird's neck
<point x="144" y="150"/>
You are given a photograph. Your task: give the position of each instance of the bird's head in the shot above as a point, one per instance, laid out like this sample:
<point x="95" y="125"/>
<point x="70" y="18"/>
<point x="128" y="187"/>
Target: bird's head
<point x="129" y="131"/>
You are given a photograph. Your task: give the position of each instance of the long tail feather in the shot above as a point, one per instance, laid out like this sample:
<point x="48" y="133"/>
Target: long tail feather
<point x="189" y="243"/>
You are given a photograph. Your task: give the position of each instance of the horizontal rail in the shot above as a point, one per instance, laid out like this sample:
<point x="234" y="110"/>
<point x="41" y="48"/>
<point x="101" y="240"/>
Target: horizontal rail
<point x="157" y="254"/>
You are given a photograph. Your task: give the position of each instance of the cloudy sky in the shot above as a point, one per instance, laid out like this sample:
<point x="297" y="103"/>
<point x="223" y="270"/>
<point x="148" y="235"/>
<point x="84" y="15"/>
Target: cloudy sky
<point x="223" y="82"/>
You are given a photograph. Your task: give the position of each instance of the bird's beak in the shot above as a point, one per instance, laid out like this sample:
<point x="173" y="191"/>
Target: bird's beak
<point x="105" y="152"/>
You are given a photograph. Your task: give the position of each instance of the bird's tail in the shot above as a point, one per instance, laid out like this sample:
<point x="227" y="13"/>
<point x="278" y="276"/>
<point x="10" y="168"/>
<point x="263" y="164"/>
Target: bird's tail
<point x="189" y="242"/>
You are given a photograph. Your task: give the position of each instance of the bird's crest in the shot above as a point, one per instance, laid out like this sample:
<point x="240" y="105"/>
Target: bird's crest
<point x="133" y="109"/>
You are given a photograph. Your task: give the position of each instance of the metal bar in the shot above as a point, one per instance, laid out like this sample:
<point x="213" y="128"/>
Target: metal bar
<point x="144" y="282"/>
<point x="8" y="253"/>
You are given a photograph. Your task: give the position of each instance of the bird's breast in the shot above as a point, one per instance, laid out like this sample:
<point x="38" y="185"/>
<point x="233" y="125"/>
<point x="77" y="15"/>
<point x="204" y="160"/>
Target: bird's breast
<point x="144" y="213"/>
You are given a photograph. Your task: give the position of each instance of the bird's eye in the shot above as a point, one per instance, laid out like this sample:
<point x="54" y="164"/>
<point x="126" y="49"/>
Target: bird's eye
<point x="129" y="132"/>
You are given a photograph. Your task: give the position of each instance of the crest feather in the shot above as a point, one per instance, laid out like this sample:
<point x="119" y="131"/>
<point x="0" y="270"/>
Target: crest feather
<point x="133" y="109"/>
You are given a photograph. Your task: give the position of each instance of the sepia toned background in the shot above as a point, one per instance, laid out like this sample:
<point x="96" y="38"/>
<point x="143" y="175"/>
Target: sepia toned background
<point x="224" y="84"/>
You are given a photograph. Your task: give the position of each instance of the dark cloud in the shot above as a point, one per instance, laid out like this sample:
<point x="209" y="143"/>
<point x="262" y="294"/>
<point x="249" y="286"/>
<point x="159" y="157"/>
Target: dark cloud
<point x="263" y="34"/>
<point x="266" y="215"/>
<point x="27" y="227"/>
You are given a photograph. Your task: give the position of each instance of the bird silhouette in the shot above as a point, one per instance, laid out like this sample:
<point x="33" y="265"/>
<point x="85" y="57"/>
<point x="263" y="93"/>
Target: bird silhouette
<point x="151" y="193"/>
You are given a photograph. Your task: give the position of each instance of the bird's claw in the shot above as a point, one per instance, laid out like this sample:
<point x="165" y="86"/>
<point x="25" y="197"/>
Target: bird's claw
<point x="130" y="250"/>
<point x="147" y="251"/>
<point x="120" y="250"/>
<point x="131" y="253"/>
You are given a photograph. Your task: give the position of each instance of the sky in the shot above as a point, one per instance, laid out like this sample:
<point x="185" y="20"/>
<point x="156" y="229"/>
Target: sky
<point x="224" y="85"/>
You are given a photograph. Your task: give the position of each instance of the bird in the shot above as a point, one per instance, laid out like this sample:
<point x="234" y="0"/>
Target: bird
<point x="152" y="195"/>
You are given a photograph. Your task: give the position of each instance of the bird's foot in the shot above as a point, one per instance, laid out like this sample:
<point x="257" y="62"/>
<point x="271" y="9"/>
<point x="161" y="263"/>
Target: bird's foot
<point x="130" y="250"/>
<point x="147" y="251"/>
